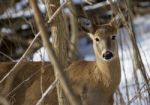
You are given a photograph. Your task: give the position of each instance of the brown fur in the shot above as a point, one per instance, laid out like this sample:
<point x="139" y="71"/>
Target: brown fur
<point x="30" y="91"/>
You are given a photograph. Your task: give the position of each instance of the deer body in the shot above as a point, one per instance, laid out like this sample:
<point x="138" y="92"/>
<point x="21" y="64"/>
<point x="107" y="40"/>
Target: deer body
<point x="98" y="79"/>
<point x="93" y="82"/>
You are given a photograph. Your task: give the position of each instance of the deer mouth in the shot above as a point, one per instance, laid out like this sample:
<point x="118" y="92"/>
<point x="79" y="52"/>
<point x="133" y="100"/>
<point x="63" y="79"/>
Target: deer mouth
<point x="108" y="55"/>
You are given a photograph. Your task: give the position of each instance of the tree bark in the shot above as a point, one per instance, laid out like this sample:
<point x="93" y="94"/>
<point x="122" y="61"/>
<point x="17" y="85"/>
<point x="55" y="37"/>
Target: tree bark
<point x="59" y="36"/>
<point x="74" y="31"/>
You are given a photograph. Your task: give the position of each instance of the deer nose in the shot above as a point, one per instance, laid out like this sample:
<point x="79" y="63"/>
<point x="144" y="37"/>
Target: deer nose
<point x="107" y="55"/>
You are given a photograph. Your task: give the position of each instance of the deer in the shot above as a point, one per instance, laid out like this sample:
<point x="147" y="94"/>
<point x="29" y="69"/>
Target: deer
<point x="93" y="82"/>
<point x="98" y="79"/>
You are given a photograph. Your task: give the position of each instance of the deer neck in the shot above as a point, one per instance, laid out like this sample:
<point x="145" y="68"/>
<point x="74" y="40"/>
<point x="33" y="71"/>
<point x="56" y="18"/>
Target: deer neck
<point x="108" y="72"/>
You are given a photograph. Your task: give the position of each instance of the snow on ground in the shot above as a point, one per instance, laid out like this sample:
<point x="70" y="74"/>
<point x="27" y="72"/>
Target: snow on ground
<point x="142" y="29"/>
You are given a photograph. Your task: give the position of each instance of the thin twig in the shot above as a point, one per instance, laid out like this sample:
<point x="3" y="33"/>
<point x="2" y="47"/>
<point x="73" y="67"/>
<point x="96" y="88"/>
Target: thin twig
<point x="23" y="82"/>
<point x="137" y="94"/>
<point x="7" y="56"/>
<point x="48" y="91"/>
<point x="57" y="12"/>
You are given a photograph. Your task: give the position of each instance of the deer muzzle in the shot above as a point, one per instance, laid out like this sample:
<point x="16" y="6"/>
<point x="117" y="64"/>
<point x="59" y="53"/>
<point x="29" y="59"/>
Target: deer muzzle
<point x="107" y="55"/>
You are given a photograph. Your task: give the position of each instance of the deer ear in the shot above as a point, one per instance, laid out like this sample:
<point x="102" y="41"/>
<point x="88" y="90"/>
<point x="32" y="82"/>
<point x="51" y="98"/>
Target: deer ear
<point x="116" y="21"/>
<point x="90" y="35"/>
<point x="85" y="24"/>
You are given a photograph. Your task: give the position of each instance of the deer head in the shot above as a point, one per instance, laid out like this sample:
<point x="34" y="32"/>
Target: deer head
<point x="103" y="37"/>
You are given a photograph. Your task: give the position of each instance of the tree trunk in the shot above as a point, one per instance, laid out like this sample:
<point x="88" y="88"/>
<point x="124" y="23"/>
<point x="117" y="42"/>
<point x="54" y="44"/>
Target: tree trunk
<point x="59" y="35"/>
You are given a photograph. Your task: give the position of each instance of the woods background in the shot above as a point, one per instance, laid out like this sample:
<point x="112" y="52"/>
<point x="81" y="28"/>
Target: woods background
<point x="20" y="37"/>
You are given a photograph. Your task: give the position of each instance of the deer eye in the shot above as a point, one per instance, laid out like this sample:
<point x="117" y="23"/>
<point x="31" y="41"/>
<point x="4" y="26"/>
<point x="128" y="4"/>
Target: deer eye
<point x="97" y="39"/>
<point x="113" y="37"/>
